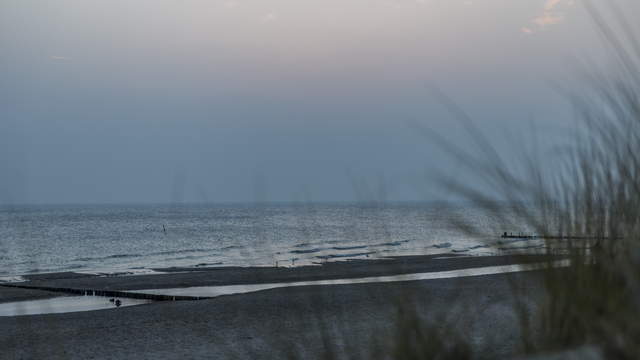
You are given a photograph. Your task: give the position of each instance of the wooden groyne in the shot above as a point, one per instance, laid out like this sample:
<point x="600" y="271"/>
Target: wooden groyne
<point x="109" y="293"/>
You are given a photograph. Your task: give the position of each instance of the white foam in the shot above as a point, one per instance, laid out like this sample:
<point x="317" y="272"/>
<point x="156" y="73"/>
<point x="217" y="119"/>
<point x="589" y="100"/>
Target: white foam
<point x="12" y="279"/>
<point x="213" y="291"/>
<point x="125" y="272"/>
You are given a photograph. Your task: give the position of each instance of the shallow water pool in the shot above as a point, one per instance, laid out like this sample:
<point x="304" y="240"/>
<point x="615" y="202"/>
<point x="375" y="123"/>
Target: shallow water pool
<point x="213" y="291"/>
<point x="65" y="304"/>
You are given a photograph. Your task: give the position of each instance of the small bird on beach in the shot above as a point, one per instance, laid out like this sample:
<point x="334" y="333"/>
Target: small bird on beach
<point x="118" y="303"/>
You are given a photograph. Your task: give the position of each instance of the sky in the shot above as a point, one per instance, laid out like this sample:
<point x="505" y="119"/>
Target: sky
<point x="162" y="101"/>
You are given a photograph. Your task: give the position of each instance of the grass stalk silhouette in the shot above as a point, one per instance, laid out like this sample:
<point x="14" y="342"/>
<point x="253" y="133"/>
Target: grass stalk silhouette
<point x="590" y="203"/>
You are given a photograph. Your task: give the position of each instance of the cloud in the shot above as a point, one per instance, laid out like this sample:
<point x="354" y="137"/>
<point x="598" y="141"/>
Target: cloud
<point x="551" y="4"/>
<point x="547" y="19"/>
<point x="550" y="16"/>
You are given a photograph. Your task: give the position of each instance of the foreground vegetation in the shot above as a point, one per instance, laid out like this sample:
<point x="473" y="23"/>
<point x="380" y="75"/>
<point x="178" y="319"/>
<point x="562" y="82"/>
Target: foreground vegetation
<point x="588" y="208"/>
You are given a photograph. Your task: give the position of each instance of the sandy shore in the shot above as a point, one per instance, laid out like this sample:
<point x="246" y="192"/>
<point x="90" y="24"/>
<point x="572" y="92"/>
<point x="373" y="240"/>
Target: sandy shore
<point x="186" y="277"/>
<point x="270" y="323"/>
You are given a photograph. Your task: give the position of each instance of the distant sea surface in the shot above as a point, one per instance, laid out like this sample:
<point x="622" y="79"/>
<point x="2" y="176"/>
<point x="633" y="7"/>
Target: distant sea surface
<point x="133" y="238"/>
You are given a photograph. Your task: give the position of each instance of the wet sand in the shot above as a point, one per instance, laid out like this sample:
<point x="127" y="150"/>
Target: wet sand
<point x="188" y="277"/>
<point x="8" y="294"/>
<point x="270" y="323"/>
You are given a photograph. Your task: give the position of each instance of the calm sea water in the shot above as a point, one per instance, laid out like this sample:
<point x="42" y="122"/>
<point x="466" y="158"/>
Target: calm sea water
<point x="116" y="238"/>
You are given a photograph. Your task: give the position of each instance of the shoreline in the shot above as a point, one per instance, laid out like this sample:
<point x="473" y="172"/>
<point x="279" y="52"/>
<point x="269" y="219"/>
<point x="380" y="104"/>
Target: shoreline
<point x="179" y="277"/>
<point x="52" y="285"/>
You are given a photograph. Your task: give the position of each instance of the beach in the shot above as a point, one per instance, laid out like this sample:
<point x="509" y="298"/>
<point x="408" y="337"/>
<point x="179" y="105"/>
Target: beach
<point x="275" y="323"/>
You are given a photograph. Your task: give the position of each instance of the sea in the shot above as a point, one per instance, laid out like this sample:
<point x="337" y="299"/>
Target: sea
<point x="132" y="239"/>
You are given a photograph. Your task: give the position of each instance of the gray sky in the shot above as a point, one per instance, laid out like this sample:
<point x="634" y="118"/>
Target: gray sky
<point x="206" y="100"/>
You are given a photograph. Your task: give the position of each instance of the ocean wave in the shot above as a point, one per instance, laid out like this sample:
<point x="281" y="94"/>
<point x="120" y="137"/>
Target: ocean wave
<point x="208" y="264"/>
<point x="308" y="251"/>
<point x="73" y="267"/>
<point x="444" y="245"/>
<point x="349" y="247"/>
<point x="334" y="256"/>
<point x="343" y="247"/>
<point x="115" y="256"/>
<point x="392" y="243"/>
<point x="188" y="257"/>
<point x="158" y="253"/>
<point x="181" y="251"/>
<point x="26" y="262"/>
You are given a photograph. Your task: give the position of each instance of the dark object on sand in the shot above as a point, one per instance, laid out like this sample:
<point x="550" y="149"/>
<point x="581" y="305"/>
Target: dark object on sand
<point x="118" y="303"/>
<point x="112" y="300"/>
